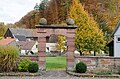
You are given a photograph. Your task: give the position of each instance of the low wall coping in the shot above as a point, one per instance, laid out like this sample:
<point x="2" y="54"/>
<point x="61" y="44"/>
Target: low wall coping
<point x="56" y="27"/>
<point x="28" y="55"/>
<point x="106" y="57"/>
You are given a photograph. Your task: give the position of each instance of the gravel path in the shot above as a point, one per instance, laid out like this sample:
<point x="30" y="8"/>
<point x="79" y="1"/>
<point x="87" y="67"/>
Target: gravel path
<point x="51" y="75"/>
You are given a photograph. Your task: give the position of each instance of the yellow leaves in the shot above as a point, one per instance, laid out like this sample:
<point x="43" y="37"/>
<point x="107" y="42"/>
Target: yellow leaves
<point x="61" y="43"/>
<point x="88" y="34"/>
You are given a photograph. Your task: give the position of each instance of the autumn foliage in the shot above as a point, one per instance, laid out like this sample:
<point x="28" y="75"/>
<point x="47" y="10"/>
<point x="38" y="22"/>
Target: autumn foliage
<point x="88" y="35"/>
<point x="95" y="19"/>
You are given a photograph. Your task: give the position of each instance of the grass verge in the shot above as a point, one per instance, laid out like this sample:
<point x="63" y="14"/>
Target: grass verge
<point x="56" y="63"/>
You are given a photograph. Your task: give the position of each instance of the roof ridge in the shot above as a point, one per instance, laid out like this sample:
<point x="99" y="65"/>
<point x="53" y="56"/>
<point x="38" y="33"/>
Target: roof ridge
<point x="117" y="26"/>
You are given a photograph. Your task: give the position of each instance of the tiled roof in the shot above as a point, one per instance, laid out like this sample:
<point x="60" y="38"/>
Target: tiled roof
<point x="6" y="41"/>
<point x="24" y="32"/>
<point x="26" y="45"/>
<point x="20" y="37"/>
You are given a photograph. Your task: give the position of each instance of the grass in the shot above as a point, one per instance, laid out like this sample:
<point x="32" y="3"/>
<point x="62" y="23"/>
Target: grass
<point x="55" y="63"/>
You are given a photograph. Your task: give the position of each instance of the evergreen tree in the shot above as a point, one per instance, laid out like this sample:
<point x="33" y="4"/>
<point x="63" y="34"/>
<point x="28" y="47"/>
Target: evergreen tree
<point x="88" y="35"/>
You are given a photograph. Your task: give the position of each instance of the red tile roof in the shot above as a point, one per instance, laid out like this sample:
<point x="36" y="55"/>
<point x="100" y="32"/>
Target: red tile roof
<point x="6" y="41"/>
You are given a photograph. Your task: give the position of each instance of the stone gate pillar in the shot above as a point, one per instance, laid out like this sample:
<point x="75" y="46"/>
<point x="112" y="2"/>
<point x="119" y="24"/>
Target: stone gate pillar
<point x="42" y="52"/>
<point x="70" y="52"/>
<point x="70" y="48"/>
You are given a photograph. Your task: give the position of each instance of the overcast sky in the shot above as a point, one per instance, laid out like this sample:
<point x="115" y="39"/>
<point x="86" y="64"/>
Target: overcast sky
<point x="13" y="10"/>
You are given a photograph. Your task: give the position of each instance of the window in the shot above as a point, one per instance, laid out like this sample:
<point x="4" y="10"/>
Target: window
<point x="118" y="39"/>
<point x="36" y="46"/>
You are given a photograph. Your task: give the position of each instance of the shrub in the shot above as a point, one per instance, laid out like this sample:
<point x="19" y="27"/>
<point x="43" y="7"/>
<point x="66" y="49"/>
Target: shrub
<point x="8" y="58"/>
<point x="104" y="72"/>
<point x="33" y="67"/>
<point x="81" y="67"/>
<point x="23" y="65"/>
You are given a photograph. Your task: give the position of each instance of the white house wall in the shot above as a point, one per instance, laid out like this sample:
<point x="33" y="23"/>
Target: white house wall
<point x="34" y="49"/>
<point x="23" y="52"/>
<point x="52" y="46"/>
<point x="116" y="43"/>
<point x="116" y="47"/>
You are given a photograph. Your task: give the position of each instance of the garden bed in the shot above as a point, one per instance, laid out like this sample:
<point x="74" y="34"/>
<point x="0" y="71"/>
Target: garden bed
<point x="92" y="75"/>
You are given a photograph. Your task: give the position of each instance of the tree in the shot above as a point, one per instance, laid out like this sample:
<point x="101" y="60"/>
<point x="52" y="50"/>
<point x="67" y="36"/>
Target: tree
<point x="2" y="29"/>
<point x="52" y="12"/>
<point x="102" y="11"/>
<point x="88" y="35"/>
<point x="43" y="5"/>
<point x="36" y="7"/>
<point x="61" y="43"/>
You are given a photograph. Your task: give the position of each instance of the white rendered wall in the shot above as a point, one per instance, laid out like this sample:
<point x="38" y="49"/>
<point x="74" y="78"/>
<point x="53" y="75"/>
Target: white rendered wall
<point x="117" y="43"/>
<point x="34" y="49"/>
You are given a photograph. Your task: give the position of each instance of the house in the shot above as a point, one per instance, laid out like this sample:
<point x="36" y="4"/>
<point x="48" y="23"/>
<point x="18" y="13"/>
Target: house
<point x="114" y="44"/>
<point x="20" y="38"/>
<point x="8" y="41"/>
<point x="51" y="44"/>
<point x="24" y="35"/>
<point x="25" y="39"/>
<point x="21" y="34"/>
<point x="27" y="47"/>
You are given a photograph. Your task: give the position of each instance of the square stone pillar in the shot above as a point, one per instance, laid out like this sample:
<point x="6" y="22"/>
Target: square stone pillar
<point x="70" y="53"/>
<point x="42" y="52"/>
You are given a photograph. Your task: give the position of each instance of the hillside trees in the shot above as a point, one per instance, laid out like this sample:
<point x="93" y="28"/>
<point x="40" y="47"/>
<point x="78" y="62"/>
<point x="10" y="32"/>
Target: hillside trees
<point x="52" y="12"/>
<point x="88" y="35"/>
<point x="104" y="12"/>
<point x="2" y="29"/>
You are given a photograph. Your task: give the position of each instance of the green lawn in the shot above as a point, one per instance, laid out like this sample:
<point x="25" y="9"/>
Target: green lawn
<point x="55" y="63"/>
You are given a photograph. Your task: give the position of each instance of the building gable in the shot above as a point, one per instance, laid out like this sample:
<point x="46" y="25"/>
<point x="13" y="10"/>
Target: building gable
<point x="117" y="33"/>
<point x="116" y="30"/>
<point x="8" y="34"/>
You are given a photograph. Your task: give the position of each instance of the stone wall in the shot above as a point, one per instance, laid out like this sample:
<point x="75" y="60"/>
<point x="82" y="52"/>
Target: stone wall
<point x="99" y="63"/>
<point x="31" y="57"/>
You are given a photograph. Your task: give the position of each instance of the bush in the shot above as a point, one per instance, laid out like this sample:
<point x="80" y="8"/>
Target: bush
<point x="23" y="65"/>
<point x="104" y="72"/>
<point x="8" y="58"/>
<point x="81" y="67"/>
<point x="33" y="67"/>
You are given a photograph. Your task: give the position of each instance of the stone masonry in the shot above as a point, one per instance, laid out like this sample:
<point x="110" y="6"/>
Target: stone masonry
<point x="96" y="63"/>
<point x="44" y="31"/>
